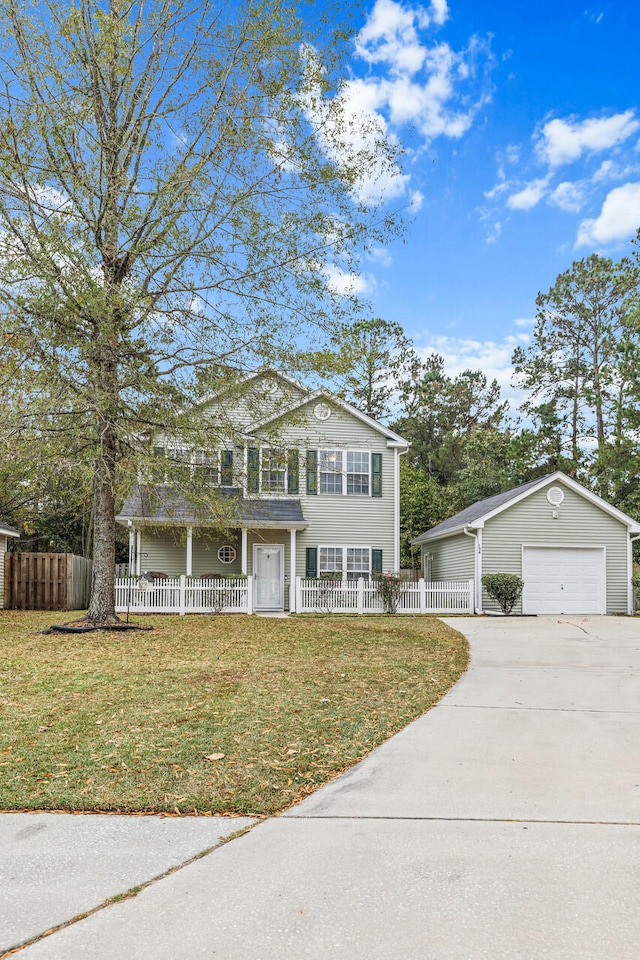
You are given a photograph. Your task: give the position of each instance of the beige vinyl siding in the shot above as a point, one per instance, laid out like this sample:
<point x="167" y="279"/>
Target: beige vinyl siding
<point x="452" y="559"/>
<point x="205" y="554"/>
<point x="347" y="520"/>
<point x="580" y="523"/>
<point x="164" y="551"/>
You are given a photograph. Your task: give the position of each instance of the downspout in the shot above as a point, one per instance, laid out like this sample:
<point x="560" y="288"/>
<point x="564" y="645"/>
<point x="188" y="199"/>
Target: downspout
<point x="630" y="569"/>
<point x="477" y="566"/>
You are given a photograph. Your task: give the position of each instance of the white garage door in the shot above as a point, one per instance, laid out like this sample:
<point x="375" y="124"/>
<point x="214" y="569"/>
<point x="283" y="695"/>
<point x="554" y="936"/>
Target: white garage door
<point x="563" y="580"/>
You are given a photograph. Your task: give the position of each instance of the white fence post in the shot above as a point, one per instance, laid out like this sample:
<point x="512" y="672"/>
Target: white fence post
<point x="249" y="583"/>
<point x="360" y="596"/>
<point x="182" y="600"/>
<point x="472" y="606"/>
<point x="422" y="590"/>
<point x="298" y="589"/>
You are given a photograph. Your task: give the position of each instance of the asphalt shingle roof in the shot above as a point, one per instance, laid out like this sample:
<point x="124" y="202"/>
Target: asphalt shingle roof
<point x="170" y="505"/>
<point x="477" y="510"/>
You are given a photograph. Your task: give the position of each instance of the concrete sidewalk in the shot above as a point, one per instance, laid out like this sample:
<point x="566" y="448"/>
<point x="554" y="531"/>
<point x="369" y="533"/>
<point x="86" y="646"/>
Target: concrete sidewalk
<point x="505" y="823"/>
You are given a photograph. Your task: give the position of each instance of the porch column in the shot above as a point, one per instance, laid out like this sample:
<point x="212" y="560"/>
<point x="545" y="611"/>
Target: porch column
<point x="292" y="573"/>
<point x="132" y="549"/>
<point x="138" y="553"/>
<point x="189" y="551"/>
<point x="243" y="552"/>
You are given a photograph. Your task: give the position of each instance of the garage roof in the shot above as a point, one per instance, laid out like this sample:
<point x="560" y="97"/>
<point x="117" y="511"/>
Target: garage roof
<point x="478" y="513"/>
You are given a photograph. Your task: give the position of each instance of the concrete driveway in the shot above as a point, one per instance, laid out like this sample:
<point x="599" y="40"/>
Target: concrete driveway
<point x="502" y="825"/>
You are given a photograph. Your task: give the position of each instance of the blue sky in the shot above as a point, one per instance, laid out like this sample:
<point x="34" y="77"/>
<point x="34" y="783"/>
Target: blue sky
<point x="521" y="123"/>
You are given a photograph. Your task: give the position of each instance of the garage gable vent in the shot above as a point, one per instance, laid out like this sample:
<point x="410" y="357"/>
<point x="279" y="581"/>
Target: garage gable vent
<point x="555" y="496"/>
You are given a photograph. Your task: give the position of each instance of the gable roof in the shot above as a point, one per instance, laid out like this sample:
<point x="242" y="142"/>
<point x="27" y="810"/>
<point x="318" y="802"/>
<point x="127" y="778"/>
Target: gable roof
<point x="7" y="531"/>
<point x="478" y="513"/>
<point x="393" y="439"/>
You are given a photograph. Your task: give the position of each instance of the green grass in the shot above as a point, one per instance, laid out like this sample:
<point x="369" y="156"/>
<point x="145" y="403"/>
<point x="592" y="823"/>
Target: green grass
<point x="123" y="721"/>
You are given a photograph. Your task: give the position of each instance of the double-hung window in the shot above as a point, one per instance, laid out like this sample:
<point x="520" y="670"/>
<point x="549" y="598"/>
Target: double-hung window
<point x="344" y="472"/>
<point x="274" y="471"/>
<point x="357" y="472"/>
<point x="351" y="563"/>
<point x="330" y="465"/>
<point x="207" y="467"/>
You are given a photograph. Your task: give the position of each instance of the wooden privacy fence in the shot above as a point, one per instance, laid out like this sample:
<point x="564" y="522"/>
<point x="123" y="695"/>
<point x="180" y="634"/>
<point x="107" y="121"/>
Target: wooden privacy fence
<point x="46" y="581"/>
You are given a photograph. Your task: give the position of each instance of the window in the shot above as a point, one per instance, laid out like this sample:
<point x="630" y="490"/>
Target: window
<point x="207" y="467"/>
<point x="274" y="471"/>
<point x="354" y="562"/>
<point x="358" y="564"/>
<point x="357" y="472"/>
<point x="226" y="553"/>
<point x="344" y="472"/>
<point x="330" y="562"/>
<point x="331" y="471"/>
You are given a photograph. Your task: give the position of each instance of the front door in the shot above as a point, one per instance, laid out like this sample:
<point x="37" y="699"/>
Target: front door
<point x="268" y="573"/>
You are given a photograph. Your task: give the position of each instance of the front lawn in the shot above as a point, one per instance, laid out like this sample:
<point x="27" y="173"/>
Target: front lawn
<point x="113" y="721"/>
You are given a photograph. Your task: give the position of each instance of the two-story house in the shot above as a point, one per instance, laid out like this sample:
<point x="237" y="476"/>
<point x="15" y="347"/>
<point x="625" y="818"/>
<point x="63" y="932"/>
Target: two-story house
<point x="308" y="485"/>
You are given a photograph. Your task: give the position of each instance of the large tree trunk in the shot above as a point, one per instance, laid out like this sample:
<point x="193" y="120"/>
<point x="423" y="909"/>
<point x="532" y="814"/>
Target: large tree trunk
<point x="102" y="606"/>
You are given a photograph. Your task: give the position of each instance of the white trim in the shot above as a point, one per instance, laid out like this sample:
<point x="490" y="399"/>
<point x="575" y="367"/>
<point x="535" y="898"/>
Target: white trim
<point x="189" y="563"/>
<point x="292" y="572"/>
<point x="331" y="398"/>
<point x="343" y="547"/>
<point x="244" y="564"/>
<point x="270" y="546"/>
<point x="396" y="509"/>
<point x="558" y="476"/>
<point x="138" y="552"/>
<point x="6" y="531"/>
<point x="573" y="546"/>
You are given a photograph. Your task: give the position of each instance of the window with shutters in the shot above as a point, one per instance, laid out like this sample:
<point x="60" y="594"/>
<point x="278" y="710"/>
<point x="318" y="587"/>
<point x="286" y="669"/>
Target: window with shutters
<point x="274" y="471"/>
<point x="350" y="563"/>
<point x="349" y="472"/>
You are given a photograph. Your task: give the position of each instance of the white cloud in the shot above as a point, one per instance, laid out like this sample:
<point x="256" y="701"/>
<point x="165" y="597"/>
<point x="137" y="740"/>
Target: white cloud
<point x="568" y="196"/>
<point x="341" y="282"/>
<point x="619" y="218"/>
<point x="530" y="196"/>
<point x="564" y="141"/>
<point x="391" y="34"/>
<point x="490" y="356"/>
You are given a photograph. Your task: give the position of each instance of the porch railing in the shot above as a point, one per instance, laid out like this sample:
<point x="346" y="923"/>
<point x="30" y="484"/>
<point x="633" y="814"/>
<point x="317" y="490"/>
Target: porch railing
<point x="184" y="595"/>
<point x="362" y="596"/>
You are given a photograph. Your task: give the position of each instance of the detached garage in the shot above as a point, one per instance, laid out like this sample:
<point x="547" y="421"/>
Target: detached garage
<point x="571" y="548"/>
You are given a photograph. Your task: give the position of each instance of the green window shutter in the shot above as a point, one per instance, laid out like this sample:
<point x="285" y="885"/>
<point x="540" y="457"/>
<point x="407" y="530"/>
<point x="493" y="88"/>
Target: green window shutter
<point x="312" y="563"/>
<point x="253" y="470"/>
<point x="376" y="561"/>
<point x="226" y="474"/>
<point x="293" y="472"/>
<point x="312" y="471"/>
<point x="376" y="474"/>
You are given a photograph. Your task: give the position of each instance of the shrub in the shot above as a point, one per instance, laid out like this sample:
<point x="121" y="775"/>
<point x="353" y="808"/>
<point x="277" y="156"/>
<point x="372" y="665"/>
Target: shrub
<point x="504" y="588"/>
<point x="388" y="585"/>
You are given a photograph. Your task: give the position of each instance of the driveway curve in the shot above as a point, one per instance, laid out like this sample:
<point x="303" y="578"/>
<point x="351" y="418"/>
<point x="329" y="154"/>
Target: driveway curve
<point x="502" y="825"/>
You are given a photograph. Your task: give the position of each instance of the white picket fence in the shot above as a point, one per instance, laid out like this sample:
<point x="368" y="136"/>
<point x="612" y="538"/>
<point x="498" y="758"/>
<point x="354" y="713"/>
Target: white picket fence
<point x="362" y="596"/>
<point x="191" y="595"/>
<point x="184" y="595"/>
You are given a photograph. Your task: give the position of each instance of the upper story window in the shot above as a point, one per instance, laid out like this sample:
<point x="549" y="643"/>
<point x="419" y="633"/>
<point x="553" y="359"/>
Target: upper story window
<point x="274" y="471"/>
<point x="330" y="465"/>
<point x="344" y="472"/>
<point x="214" y="467"/>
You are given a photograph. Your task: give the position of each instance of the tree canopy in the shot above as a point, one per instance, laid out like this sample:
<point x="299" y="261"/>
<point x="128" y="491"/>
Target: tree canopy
<point x="178" y="185"/>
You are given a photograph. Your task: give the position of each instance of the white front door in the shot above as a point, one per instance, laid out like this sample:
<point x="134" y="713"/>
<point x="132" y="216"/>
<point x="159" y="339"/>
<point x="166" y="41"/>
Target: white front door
<point x="565" y="580"/>
<point x="268" y="573"/>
